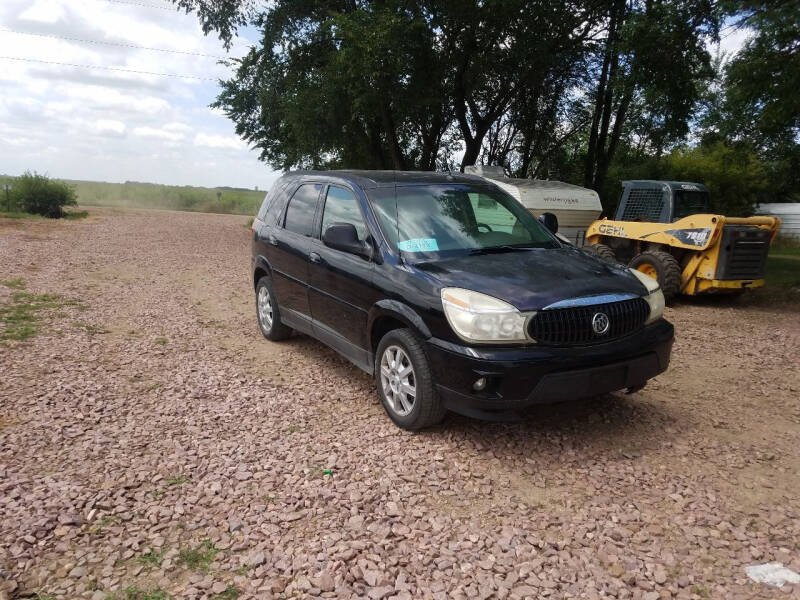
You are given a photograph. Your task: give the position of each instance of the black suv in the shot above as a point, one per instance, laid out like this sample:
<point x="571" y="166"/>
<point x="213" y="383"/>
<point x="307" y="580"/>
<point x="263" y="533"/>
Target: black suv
<point x="451" y="293"/>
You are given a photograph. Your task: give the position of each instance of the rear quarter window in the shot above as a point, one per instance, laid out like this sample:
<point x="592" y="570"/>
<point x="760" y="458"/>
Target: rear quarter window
<point x="262" y="212"/>
<point x="275" y="206"/>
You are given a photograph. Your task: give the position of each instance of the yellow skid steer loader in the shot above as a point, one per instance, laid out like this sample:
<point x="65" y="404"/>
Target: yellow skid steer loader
<point x="663" y="229"/>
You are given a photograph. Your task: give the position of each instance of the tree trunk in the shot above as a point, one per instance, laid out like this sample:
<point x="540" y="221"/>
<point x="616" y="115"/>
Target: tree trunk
<point x="603" y="88"/>
<point x="607" y="154"/>
<point x="389" y="129"/>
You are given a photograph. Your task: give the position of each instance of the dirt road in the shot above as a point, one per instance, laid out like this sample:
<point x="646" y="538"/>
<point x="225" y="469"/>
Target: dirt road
<point x="152" y="441"/>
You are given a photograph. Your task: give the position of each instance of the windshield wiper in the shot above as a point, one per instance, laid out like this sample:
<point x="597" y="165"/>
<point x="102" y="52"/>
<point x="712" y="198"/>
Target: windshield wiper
<point x="499" y="249"/>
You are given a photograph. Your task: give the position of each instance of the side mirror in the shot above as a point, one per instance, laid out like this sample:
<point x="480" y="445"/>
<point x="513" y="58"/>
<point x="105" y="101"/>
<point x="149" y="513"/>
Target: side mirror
<point x="550" y="221"/>
<point x="344" y="237"/>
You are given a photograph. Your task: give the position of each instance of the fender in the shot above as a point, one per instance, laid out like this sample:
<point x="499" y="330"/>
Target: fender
<point x="259" y="262"/>
<point x="399" y="311"/>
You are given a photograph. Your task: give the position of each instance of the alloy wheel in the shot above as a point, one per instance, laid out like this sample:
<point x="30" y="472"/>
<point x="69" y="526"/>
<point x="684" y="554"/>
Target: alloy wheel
<point x="398" y="380"/>
<point x="265" y="308"/>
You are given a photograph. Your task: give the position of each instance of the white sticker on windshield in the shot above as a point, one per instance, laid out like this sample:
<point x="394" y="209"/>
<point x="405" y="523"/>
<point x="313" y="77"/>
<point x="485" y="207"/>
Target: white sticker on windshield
<point x="419" y="245"/>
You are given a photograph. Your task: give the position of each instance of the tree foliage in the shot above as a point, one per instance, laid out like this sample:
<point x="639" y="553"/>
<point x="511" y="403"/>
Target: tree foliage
<point x="39" y="195"/>
<point x="580" y="90"/>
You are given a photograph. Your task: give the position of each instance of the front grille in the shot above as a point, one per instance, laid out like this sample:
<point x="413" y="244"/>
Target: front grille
<point x="744" y="253"/>
<point x="573" y="326"/>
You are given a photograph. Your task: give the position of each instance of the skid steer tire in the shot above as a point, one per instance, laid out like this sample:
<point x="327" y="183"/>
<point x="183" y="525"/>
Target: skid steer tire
<point x="664" y="266"/>
<point x="603" y="252"/>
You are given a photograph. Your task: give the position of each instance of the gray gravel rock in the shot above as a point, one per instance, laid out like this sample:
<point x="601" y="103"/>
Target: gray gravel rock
<point x="152" y="437"/>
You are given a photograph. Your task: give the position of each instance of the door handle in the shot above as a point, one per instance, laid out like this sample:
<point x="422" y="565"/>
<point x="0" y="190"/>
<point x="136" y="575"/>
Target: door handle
<point x="315" y="258"/>
<point x="272" y="239"/>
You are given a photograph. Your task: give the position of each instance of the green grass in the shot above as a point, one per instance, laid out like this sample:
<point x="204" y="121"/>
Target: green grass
<point x="22" y="314"/>
<point x="237" y="201"/>
<point x="19" y="215"/>
<point x="135" y="593"/>
<point x="154" y="558"/>
<point x="172" y="197"/>
<point x="783" y="243"/>
<point x="74" y="215"/>
<point x="785" y="251"/>
<point x="198" y="559"/>
<point x="783" y="271"/>
<point x="14" y="284"/>
<point x="177" y="480"/>
<point x="161" y="341"/>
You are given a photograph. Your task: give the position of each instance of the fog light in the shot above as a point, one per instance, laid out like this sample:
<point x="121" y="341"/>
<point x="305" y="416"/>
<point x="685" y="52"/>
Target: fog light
<point x="479" y="385"/>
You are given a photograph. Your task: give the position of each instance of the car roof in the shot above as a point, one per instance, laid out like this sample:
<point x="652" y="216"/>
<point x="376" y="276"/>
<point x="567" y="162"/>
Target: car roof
<point x="374" y="179"/>
<point x="675" y="185"/>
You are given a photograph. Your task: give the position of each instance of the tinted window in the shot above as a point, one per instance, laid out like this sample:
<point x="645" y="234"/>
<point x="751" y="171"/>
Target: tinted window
<point x="341" y="206"/>
<point x="301" y="209"/>
<point x="275" y="206"/>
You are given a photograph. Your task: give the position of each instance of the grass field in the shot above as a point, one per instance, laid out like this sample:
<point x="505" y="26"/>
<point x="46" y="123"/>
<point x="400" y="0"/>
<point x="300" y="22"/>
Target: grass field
<point x="235" y="201"/>
<point x="783" y="268"/>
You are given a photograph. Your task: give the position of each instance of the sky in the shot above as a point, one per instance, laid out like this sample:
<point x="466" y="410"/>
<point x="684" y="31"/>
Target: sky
<point x="107" y="125"/>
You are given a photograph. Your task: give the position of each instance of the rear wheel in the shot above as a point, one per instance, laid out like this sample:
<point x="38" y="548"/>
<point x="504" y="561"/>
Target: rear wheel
<point x="603" y="251"/>
<point x="269" y="317"/>
<point x="662" y="267"/>
<point x="405" y="383"/>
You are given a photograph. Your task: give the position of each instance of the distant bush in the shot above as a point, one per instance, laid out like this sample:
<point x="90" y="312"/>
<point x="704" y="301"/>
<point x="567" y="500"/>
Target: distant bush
<point x="40" y="195"/>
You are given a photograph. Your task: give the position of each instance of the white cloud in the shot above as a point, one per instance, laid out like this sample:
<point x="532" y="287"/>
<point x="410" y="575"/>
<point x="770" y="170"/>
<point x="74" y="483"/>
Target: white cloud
<point x="46" y="11"/>
<point x="109" y="125"/>
<point x="159" y="134"/>
<point x="219" y="141"/>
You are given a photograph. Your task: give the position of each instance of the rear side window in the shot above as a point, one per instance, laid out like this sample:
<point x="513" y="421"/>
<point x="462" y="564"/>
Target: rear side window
<point x="262" y="212"/>
<point x="302" y="208"/>
<point x="341" y="206"/>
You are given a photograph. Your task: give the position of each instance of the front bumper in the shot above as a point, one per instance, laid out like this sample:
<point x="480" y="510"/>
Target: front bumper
<point x="522" y="376"/>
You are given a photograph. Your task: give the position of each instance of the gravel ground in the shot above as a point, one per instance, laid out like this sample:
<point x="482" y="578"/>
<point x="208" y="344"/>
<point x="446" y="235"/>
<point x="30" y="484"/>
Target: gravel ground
<point x="151" y="439"/>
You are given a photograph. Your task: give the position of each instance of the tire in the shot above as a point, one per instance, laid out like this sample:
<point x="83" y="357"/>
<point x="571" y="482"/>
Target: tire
<point x="414" y="411"/>
<point x="603" y="251"/>
<point x="269" y="319"/>
<point x="665" y="268"/>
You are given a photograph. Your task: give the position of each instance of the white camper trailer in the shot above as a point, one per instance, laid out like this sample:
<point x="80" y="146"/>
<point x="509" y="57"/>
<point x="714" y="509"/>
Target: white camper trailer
<point x="575" y="207"/>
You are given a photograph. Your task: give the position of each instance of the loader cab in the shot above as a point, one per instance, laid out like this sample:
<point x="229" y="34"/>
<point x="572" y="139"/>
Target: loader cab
<point x="661" y="201"/>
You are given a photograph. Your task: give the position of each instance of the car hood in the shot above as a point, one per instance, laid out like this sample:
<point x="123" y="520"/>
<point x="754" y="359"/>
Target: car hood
<point x="533" y="279"/>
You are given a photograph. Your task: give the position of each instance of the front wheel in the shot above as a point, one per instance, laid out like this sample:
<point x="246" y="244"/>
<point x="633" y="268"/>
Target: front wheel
<point x="662" y="267"/>
<point x="404" y="380"/>
<point x="602" y="251"/>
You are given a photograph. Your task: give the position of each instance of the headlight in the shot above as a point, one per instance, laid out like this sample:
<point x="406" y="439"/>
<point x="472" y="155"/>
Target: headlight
<point x="655" y="297"/>
<point x="476" y="317"/>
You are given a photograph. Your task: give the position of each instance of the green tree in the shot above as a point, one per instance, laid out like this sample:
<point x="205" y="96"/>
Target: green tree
<point x="756" y="101"/>
<point x="40" y="195"/>
<point x="398" y="84"/>
<point x="335" y="84"/>
<point x="652" y="63"/>
<point x="734" y="175"/>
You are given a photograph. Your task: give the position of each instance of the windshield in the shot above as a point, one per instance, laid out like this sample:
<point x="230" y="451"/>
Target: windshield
<point x="454" y="219"/>
<point x="690" y="203"/>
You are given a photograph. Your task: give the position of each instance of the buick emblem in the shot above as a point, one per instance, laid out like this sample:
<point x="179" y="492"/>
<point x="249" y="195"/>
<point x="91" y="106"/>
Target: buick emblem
<point x="600" y="323"/>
